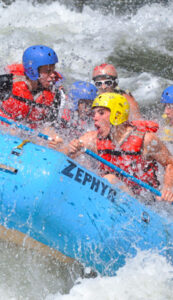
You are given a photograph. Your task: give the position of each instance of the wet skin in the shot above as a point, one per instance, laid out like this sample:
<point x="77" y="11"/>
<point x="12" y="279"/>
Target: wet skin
<point x="47" y="76"/>
<point x="169" y="113"/>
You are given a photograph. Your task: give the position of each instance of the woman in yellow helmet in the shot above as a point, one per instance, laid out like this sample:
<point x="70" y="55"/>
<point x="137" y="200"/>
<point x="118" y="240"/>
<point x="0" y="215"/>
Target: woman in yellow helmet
<point x="135" y="149"/>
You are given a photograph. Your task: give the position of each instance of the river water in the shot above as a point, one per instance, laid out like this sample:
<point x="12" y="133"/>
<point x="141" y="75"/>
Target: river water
<point x="137" y="36"/>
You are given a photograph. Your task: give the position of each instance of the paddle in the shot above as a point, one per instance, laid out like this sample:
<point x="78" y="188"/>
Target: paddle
<point x="122" y="172"/>
<point x="11" y="123"/>
<point x="89" y="152"/>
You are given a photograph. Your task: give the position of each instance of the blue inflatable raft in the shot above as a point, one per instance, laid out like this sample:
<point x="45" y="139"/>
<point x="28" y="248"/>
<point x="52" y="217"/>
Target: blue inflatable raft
<point x="52" y="199"/>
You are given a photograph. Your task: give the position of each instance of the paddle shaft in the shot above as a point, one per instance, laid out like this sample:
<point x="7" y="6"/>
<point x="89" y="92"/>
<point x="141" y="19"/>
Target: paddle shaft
<point x="23" y="127"/>
<point x="89" y="152"/>
<point x="122" y="172"/>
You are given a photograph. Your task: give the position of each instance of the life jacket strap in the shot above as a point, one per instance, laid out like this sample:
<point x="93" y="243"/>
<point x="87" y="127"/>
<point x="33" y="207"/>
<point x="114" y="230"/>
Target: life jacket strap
<point x="118" y="153"/>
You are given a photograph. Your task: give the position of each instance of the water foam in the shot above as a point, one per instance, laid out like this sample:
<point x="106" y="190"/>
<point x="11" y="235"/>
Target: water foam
<point x="147" y="276"/>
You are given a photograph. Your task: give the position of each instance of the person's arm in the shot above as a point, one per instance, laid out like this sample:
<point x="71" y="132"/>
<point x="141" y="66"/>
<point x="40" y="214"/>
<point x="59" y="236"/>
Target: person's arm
<point x="73" y="149"/>
<point x="134" y="108"/>
<point x="154" y="148"/>
<point x="55" y="141"/>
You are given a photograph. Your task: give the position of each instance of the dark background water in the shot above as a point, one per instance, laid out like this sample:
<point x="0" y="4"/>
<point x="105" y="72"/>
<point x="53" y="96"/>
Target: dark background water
<point x="136" y="59"/>
<point x="105" y="5"/>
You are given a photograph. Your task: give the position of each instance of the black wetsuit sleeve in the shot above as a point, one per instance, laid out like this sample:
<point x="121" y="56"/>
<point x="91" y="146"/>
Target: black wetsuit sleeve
<point x="6" y="85"/>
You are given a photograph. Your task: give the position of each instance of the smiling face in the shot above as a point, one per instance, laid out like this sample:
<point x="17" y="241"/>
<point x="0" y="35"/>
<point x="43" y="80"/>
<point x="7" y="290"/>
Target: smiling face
<point x="101" y="117"/>
<point x="47" y="76"/>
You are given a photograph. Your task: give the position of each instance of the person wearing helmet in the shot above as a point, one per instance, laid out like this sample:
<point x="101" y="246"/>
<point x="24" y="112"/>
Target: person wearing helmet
<point x="105" y="78"/>
<point x="35" y="92"/>
<point x="132" y="147"/>
<point x="167" y="130"/>
<point x="77" y="117"/>
<point x="81" y="95"/>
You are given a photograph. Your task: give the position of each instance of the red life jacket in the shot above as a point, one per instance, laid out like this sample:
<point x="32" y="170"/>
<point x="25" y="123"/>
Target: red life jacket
<point x="22" y="104"/>
<point x="15" y="69"/>
<point x="129" y="156"/>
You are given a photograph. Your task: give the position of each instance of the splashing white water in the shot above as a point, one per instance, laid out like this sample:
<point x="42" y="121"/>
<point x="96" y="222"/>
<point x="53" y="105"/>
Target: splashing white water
<point x="147" y="276"/>
<point x="82" y="41"/>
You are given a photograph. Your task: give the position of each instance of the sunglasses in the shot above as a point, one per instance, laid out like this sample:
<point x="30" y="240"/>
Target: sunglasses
<point x="108" y="82"/>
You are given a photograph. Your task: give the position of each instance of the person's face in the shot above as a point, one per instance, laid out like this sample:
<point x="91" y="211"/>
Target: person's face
<point x="101" y="117"/>
<point x="47" y="75"/>
<point x="105" y="84"/>
<point x="84" y="109"/>
<point x="169" y="112"/>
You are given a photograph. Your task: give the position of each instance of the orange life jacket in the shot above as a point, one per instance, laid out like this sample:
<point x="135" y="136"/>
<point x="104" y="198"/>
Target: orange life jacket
<point x="129" y="156"/>
<point x="21" y="104"/>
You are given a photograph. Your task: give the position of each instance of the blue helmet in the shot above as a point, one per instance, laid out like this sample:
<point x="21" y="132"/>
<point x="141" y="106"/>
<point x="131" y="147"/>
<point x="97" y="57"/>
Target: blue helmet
<point x="167" y="95"/>
<point x="82" y="90"/>
<point x="35" y="57"/>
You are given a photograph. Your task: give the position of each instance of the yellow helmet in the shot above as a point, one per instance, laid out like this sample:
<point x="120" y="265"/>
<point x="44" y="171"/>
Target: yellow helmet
<point x="117" y="104"/>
